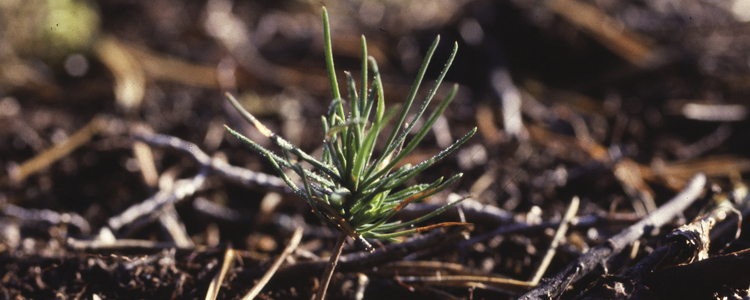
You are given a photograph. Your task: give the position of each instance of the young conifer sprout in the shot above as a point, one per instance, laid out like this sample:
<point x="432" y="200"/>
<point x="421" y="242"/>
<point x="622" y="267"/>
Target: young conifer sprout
<point x="350" y="186"/>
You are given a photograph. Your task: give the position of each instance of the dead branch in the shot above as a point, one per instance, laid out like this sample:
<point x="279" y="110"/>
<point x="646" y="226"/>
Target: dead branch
<point x="236" y="174"/>
<point x="602" y="253"/>
<point x="363" y="260"/>
<point x="52" y="155"/>
<point x="45" y="215"/>
<point x="121" y="244"/>
<point x="146" y="209"/>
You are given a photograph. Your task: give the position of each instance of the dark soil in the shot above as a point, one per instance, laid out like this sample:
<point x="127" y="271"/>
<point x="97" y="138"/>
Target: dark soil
<point x="619" y="103"/>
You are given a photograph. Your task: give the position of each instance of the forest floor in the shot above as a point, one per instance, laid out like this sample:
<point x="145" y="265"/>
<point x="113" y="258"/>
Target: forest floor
<point x="603" y="128"/>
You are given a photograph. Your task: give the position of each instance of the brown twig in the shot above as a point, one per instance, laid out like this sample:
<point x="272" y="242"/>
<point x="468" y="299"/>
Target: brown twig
<point x="629" y="45"/>
<point x="51" y="155"/>
<point x="129" y="78"/>
<point x="146" y="164"/>
<point x="599" y="254"/>
<point x="325" y="279"/>
<point x="449" y="274"/>
<point x="492" y="280"/>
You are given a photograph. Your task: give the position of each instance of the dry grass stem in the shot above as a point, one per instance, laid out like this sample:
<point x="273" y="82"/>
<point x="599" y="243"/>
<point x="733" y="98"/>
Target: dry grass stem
<point x="559" y="235"/>
<point x="213" y="288"/>
<point x="293" y="243"/>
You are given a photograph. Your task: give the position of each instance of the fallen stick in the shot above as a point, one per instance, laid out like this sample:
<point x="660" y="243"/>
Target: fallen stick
<point x="52" y="155"/>
<point x="45" y="215"/>
<point x="363" y="260"/>
<point x="237" y="174"/>
<point x="182" y="189"/>
<point x="574" y="271"/>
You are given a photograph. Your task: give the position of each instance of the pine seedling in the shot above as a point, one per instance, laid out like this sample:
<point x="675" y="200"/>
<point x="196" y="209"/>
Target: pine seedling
<point x="351" y="186"/>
